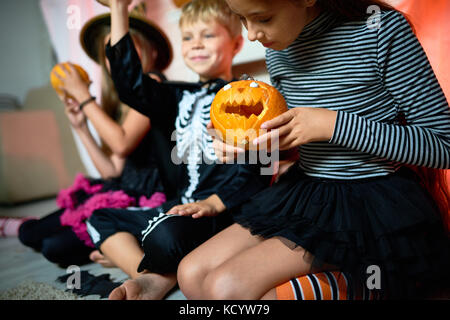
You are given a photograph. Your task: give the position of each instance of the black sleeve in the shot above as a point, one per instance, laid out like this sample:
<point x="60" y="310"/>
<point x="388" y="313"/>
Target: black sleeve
<point x="246" y="182"/>
<point x="156" y="100"/>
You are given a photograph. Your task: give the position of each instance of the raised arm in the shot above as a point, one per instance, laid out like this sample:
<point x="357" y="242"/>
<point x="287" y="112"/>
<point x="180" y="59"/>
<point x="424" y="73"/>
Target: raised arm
<point x="135" y="88"/>
<point x="119" y="19"/>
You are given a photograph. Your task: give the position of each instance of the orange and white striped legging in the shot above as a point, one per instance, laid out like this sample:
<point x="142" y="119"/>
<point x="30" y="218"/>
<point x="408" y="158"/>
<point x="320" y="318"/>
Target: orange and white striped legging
<point x="325" y="286"/>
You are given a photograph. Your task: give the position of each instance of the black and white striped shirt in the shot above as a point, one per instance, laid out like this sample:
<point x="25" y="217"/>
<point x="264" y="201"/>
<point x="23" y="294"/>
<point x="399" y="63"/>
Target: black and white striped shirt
<point x="370" y="77"/>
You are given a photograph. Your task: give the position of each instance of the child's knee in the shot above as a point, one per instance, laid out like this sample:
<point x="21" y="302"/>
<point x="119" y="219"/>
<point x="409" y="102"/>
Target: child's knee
<point x="190" y="276"/>
<point x="167" y="244"/>
<point x="221" y="284"/>
<point x="52" y="250"/>
<point x="27" y="236"/>
<point x="163" y="250"/>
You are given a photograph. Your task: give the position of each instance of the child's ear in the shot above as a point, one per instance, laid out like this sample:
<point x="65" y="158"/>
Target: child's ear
<point x="239" y="43"/>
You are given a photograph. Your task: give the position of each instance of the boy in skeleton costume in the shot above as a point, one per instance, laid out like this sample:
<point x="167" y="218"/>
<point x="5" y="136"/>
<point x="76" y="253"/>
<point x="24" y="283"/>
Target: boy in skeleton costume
<point x="148" y="244"/>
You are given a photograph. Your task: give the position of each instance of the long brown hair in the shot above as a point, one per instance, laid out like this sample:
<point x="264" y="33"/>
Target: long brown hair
<point x="433" y="180"/>
<point x="110" y="101"/>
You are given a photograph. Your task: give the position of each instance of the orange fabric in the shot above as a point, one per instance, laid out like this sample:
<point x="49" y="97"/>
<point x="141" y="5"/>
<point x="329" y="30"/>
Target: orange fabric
<point x="431" y="21"/>
<point x="342" y="285"/>
<point x="307" y="288"/>
<point x="325" y="286"/>
<point x="285" y="292"/>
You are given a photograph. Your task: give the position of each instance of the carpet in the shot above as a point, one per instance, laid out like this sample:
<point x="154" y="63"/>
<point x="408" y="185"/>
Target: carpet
<point x="32" y="290"/>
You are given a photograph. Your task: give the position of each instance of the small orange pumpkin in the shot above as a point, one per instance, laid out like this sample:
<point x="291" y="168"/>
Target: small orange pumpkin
<point x="57" y="84"/>
<point x="241" y="107"/>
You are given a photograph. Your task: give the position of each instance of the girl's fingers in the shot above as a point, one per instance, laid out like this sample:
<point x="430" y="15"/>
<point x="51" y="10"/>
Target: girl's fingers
<point x="224" y="148"/>
<point x="278" y="121"/>
<point x="173" y="210"/>
<point x="197" y="215"/>
<point x="272" y="136"/>
<point x="56" y="74"/>
<point x="68" y="68"/>
<point x="184" y="210"/>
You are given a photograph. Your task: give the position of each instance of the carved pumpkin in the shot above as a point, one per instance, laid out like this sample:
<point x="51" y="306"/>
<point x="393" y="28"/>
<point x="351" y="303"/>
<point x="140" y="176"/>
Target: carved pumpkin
<point x="241" y="107"/>
<point x="57" y="84"/>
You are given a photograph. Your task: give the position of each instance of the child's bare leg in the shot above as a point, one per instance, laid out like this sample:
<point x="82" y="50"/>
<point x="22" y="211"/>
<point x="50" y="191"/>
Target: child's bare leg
<point x="99" y="258"/>
<point x="196" y="265"/>
<point x="124" y="251"/>
<point x="252" y="273"/>
<point x="271" y="295"/>
<point x="148" y="286"/>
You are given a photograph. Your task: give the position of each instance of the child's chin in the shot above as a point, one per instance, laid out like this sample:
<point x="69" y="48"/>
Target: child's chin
<point x="277" y="47"/>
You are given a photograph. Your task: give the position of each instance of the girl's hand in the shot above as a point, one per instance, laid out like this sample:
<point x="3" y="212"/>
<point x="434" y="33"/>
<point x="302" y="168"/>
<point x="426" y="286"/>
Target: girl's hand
<point x="298" y="126"/>
<point x="224" y="152"/>
<point x="73" y="84"/>
<point x="76" y="117"/>
<point x="209" y="207"/>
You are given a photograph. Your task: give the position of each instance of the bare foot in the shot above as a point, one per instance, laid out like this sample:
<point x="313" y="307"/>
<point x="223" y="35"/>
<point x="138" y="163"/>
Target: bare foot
<point x="149" y="286"/>
<point x="97" y="257"/>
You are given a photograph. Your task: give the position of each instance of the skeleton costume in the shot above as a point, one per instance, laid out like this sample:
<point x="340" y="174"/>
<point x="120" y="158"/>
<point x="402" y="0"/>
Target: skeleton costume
<point x="186" y="163"/>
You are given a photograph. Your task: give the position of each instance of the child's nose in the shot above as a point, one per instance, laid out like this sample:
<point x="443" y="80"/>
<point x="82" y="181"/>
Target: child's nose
<point x="251" y="35"/>
<point x="198" y="43"/>
<point x="254" y="35"/>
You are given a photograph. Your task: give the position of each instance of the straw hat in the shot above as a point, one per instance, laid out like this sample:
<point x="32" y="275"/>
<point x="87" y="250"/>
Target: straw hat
<point x="180" y="3"/>
<point x="93" y="32"/>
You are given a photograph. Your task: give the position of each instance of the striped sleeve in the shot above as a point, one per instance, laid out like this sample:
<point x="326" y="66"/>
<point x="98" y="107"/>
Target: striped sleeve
<point x="406" y="74"/>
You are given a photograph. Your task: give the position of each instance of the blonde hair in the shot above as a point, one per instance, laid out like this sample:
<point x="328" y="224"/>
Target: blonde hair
<point x="206" y="10"/>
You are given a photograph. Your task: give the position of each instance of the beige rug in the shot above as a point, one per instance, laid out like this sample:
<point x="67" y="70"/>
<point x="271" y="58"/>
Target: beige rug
<point x="31" y="290"/>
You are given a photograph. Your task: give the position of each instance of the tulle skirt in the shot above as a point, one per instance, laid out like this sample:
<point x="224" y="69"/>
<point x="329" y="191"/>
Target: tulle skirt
<point x="389" y="222"/>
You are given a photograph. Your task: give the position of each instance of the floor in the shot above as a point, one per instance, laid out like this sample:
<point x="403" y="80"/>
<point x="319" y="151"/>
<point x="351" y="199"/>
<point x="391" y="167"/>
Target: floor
<point x="19" y="264"/>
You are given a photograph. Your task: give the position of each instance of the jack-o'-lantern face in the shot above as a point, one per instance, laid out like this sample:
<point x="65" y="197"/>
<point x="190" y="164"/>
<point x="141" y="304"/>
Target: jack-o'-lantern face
<point x="240" y="108"/>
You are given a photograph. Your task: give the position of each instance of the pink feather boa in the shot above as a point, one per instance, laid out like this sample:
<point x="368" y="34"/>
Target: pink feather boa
<point x="66" y="197"/>
<point x="76" y="216"/>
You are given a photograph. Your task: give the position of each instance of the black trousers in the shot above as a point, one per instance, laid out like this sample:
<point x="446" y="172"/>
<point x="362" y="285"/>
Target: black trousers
<point x="58" y="244"/>
<point x="165" y="239"/>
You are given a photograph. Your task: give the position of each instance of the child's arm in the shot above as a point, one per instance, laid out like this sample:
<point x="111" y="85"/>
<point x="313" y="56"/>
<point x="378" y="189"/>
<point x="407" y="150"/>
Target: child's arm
<point x="135" y="88"/>
<point x="119" y="19"/>
<point x="212" y="206"/>
<point x="407" y="75"/>
<point x="424" y="139"/>
<point x="121" y="139"/>
<point x="108" y="167"/>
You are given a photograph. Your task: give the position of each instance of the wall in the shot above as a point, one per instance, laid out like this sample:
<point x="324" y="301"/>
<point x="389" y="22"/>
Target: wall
<point x="26" y="54"/>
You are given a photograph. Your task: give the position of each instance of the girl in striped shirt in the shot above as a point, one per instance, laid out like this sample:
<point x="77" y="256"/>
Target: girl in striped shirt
<point x="367" y="114"/>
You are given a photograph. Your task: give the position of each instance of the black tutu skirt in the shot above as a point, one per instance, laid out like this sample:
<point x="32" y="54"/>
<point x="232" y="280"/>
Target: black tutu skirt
<point x="390" y="222"/>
